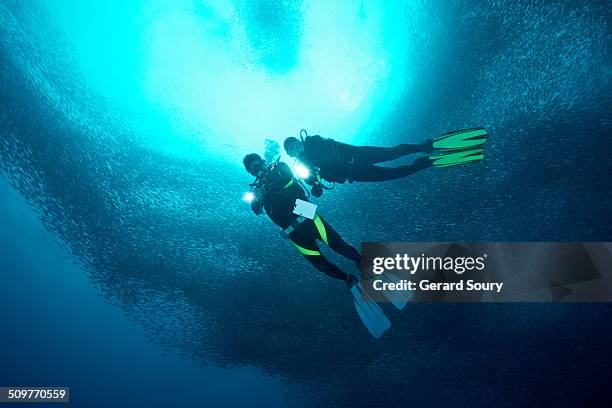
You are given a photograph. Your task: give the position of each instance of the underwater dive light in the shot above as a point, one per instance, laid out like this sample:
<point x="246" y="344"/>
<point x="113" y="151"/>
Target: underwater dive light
<point x="248" y="196"/>
<point x="301" y="171"/>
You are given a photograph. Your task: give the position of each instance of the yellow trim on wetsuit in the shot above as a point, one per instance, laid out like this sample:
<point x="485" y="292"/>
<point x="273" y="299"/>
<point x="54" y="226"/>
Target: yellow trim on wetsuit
<point x="321" y="228"/>
<point x="305" y="251"/>
<point x="289" y="183"/>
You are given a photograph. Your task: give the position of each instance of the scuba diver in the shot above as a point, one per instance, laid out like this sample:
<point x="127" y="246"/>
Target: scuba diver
<point x="339" y="162"/>
<point x="284" y="200"/>
<point x="276" y="191"/>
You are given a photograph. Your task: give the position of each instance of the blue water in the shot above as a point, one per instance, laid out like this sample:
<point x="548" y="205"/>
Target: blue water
<point x="129" y="262"/>
<point x="62" y="332"/>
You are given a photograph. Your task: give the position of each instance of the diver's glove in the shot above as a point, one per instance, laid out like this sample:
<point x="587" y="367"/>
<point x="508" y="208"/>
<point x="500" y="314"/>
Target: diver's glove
<point x="317" y="190"/>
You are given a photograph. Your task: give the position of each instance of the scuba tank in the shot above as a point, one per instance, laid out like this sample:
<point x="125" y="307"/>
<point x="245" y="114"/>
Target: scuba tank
<point x="319" y="186"/>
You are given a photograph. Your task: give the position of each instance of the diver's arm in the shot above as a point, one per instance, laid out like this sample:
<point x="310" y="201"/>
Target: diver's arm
<point x="257" y="207"/>
<point x="314" y="181"/>
<point x="257" y="203"/>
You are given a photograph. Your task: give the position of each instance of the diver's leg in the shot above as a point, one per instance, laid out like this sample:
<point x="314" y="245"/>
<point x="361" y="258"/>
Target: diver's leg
<point x="378" y="173"/>
<point x="328" y="235"/>
<point x="374" y="154"/>
<point x="304" y="240"/>
<point x="322" y="264"/>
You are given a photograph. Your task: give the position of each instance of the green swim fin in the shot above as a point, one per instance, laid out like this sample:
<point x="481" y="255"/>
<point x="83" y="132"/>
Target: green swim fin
<point x="369" y="312"/>
<point x="460" y="140"/>
<point x="457" y="158"/>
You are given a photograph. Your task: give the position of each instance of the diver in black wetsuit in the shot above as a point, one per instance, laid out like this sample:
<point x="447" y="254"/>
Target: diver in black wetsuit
<point x="276" y="191"/>
<point x="341" y="162"/>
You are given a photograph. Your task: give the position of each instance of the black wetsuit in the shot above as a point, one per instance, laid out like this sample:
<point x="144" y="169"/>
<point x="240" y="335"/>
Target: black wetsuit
<point x="340" y="162"/>
<point x="277" y="196"/>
